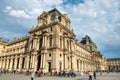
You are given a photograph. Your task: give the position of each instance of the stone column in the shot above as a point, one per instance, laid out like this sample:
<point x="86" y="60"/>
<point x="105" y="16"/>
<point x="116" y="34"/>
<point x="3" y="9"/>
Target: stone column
<point x="7" y="62"/>
<point x="63" y="42"/>
<point x="43" y="60"/>
<point x="35" y="62"/>
<point x="28" y="61"/>
<point x="31" y="59"/>
<point x="82" y="65"/>
<point x="11" y="62"/>
<point x="20" y="62"/>
<point x="43" y="43"/>
<point x="0" y="62"/>
<point x="41" y="66"/>
<point x="15" y="65"/>
<point x="85" y="65"/>
<point x="4" y="63"/>
<point x="79" y="65"/>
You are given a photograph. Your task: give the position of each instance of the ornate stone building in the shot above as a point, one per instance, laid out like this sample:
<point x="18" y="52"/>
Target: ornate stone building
<point x="51" y="45"/>
<point x="113" y="64"/>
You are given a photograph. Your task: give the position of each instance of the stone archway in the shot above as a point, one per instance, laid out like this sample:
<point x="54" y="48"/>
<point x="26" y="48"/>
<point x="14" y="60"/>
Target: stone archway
<point x="39" y="62"/>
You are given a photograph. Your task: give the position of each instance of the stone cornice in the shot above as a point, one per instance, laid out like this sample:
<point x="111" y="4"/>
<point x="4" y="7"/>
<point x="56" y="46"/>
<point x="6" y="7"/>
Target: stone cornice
<point x="8" y="55"/>
<point x="82" y="46"/>
<point x="18" y="40"/>
<point x="65" y="28"/>
<point x="43" y="27"/>
<point x="51" y="24"/>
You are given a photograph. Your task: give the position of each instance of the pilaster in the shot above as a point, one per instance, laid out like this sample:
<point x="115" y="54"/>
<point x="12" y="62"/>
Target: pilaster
<point x="20" y="62"/>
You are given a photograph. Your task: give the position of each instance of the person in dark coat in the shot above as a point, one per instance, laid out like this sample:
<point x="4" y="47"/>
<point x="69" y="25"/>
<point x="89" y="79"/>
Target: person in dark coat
<point x="94" y="74"/>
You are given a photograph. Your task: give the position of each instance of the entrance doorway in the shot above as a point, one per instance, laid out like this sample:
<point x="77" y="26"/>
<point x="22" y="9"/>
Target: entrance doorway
<point x="39" y="62"/>
<point x="49" y="66"/>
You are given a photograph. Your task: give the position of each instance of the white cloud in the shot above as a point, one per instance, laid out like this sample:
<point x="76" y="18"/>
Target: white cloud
<point x="53" y="2"/>
<point x="10" y="35"/>
<point x="96" y="18"/>
<point x="35" y="11"/>
<point x="30" y="9"/>
<point x="16" y="13"/>
<point x="8" y="8"/>
<point x="19" y="13"/>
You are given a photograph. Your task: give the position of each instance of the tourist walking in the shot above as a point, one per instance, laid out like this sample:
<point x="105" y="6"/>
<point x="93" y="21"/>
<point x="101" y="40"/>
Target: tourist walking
<point x="90" y="75"/>
<point x="38" y="73"/>
<point x="32" y="75"/>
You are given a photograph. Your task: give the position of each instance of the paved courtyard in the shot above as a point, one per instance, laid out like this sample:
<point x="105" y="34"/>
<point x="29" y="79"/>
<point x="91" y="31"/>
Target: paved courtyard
<point x="104" y="76"/>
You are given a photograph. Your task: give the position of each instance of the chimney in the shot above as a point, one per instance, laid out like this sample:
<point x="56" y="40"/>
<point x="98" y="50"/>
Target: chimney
<point x="8" y="40"/>
<point x="0" y="40"/>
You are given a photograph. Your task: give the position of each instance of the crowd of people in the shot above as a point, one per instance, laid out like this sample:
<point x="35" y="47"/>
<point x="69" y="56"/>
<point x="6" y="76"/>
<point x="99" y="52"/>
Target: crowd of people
<point x="40" y="73"/>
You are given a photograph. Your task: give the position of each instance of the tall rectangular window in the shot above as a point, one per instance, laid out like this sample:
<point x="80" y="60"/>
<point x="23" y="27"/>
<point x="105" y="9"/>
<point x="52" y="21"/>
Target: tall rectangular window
<point x="31" y="44"/>
<point x="17" y="63"/>
<point x="59" y="18"/>
<point x="60" y="43"/>
<point x="50" y="42"/>
<point x="51" y="29"/>
<point x="77" y="64"/>
<point x="41" y="40"/>
<point x="23" y="61"/>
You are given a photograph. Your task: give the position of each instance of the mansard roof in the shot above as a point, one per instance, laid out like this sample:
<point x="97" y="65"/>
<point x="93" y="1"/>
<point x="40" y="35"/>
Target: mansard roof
<point x="55" y="12"/>
<point x="85" y="39"/>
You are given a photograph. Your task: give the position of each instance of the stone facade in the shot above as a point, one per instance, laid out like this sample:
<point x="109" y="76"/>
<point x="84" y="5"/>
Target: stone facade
<point x="113" y="64"/>
<point x="51" y="46"/>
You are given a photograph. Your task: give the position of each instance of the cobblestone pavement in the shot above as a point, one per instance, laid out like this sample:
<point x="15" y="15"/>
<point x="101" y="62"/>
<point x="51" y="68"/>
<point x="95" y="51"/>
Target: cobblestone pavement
<point x="105" y="76"/>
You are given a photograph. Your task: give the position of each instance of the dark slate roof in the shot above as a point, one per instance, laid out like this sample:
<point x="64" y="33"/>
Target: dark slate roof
<point x="113" y="59"/>
<point x="84" y="40"/>
<point x="54" y="13"/>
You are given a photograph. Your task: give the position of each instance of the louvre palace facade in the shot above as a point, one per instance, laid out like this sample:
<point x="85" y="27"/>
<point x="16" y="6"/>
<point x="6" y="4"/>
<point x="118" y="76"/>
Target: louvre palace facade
<point x="51" y="46"/>
<point x="113" y="64"/>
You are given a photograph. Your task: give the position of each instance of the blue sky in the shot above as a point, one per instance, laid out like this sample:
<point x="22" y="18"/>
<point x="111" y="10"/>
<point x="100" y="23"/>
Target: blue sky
<point x="100" y="19"/>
